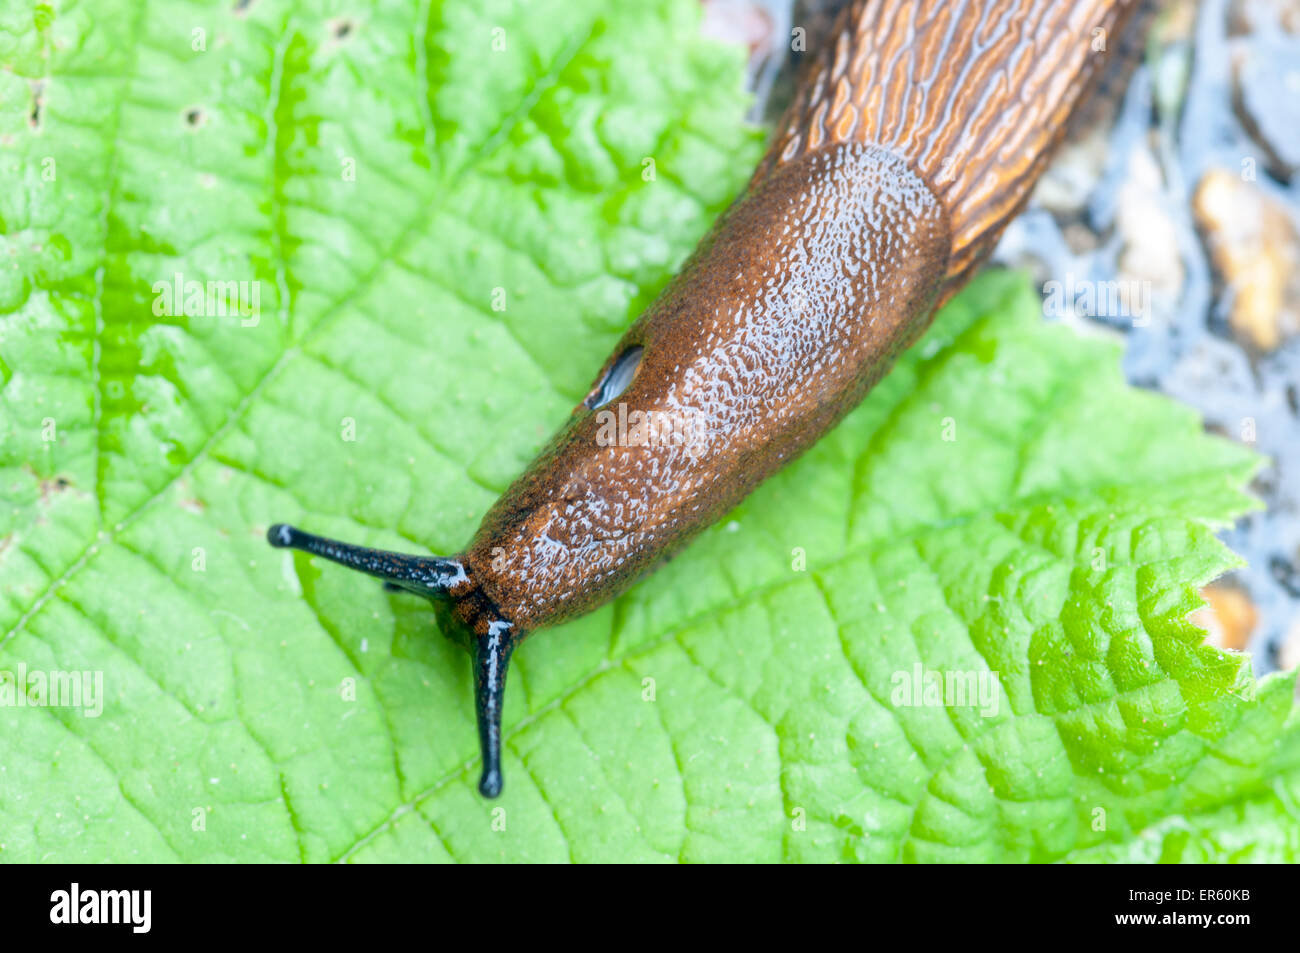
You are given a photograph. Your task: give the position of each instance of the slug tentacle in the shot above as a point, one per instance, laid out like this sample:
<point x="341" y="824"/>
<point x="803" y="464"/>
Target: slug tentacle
<point x="491" y="656"/>
<point x="422" y="575"/>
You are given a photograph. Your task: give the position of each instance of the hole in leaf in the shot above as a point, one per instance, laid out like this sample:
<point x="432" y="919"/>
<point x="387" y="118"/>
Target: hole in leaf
<point x="38" y="100"/>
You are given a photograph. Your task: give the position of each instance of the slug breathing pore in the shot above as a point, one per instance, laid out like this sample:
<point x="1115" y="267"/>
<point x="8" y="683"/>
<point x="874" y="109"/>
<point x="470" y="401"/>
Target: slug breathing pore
<point x="914" y="137"/>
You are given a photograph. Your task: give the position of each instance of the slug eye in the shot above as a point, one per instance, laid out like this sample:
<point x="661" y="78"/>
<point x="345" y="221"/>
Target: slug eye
<point x="616" y="379"/>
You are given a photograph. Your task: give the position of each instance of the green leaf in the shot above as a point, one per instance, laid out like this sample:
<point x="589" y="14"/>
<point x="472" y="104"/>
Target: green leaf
<point x="1262" y="828"/>
<point x="448" y="217"/>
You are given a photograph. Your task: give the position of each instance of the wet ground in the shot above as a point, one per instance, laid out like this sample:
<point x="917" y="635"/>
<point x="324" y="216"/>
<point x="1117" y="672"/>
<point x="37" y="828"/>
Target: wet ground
<point x="1171" y="218"/>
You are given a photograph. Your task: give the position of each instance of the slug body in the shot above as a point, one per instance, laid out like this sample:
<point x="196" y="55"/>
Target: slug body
<point x="913" y="139"/>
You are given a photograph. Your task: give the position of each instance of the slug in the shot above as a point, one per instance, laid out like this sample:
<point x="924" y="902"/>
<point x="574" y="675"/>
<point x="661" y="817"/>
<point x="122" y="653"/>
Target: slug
<point x="914" y="136"/>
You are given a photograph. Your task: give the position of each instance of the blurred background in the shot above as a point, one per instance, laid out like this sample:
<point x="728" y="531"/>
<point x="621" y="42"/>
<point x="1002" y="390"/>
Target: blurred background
<point x="1178" y="191"/>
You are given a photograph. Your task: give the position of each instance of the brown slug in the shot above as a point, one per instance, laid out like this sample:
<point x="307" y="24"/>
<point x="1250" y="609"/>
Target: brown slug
<point x="914" y="137"/>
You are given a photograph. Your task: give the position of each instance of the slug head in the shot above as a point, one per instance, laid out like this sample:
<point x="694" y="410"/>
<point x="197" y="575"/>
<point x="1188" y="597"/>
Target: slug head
<point x="464" y="613"/>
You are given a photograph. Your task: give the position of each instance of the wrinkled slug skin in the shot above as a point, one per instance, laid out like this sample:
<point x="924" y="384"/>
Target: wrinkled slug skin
<point x="975" y="95"/>
<point x="911" y="142"/>
<point x="777" y="326"/>
<point x="914" y="136"/>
